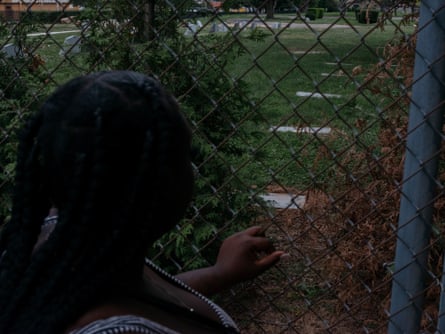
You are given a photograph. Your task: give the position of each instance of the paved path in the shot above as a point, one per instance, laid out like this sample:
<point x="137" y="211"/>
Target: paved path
<point x="319" y="26"/>
<point x="307" y="25"/>
<point x="52" y="33"/>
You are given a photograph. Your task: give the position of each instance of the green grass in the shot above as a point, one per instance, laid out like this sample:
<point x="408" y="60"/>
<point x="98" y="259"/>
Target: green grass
<point x="275" y="68"/>
<point x="328" y="18"/>
<point x="60" y="71"/>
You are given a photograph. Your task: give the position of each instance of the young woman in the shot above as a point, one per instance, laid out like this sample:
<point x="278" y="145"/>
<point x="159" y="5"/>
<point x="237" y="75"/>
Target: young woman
<point x="108" y="155"/>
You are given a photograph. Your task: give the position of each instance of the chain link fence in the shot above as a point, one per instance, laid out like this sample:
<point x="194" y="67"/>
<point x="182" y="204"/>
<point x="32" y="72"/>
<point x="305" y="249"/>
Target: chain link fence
<point x="300" y="115"/>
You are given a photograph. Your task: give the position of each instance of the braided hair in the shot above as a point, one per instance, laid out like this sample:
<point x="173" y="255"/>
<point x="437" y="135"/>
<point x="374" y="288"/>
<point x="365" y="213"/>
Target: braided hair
<point x="111" y="151"/>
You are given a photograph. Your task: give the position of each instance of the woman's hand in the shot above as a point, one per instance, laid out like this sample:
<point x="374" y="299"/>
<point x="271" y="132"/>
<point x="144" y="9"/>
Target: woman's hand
<point x="245" y="255"/>
<point x="241" y="257"/>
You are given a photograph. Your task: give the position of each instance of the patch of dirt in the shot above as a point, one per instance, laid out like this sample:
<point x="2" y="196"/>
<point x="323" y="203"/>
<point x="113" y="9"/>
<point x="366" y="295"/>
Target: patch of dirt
<point x="324" y="286"/>
<point x="337" y="278"/>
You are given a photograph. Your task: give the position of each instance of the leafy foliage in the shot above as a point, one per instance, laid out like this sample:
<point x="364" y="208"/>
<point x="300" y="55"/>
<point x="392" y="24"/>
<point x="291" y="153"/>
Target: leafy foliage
<point x="391" y="78"/>
<point x="20" y="91"/>
<point x="216" y="105"/>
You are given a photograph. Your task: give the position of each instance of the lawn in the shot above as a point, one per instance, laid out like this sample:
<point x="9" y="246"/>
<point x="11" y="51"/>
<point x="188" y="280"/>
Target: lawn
<point x="321" y="60"/>
<point x="330" y="57"/>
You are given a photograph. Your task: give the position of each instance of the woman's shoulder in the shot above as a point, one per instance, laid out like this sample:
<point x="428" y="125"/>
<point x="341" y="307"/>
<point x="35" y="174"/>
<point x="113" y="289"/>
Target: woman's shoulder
<point x="123" y="324"/>
<point x="135" y="317"/>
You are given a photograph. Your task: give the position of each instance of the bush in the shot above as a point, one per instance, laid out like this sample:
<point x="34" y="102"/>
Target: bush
<point x="21" y="90"/>
<point x="20" y="97"/>
<point x="311" y="13"/>
<point x="367" y="16"/>
<point x="315" y="13"/>
<point x="320" y="12"/>
<point x="219" y="198"/>
<point x="214" y="104"/>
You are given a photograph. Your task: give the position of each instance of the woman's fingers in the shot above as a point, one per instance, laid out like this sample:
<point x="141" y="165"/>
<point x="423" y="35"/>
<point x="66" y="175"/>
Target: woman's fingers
<point x="270" y="259"/>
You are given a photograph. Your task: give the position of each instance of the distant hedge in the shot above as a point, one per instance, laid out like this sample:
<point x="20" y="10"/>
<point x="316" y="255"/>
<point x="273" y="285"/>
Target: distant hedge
<point x="45" y="17"/>
<point x="314" y="13"/>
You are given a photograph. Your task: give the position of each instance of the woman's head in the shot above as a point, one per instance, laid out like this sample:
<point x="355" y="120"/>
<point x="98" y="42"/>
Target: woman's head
<point x="124" y="135"/>
<point x="111" y="151"/>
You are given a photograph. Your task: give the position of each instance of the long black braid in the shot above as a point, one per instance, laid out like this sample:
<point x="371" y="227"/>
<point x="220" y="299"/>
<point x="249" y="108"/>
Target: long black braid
<point x="107" y="150"/>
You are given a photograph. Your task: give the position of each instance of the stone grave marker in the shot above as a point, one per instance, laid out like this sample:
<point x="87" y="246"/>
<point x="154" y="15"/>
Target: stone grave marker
<point x="284" y="201"/>
<point x="12" y="51"/>
<point x="275" y="25"/>
<point x="213" y="28"/>
<point x="190" y="29"/>
<point x="71" y="45"/>
<point x="218" y="28"/>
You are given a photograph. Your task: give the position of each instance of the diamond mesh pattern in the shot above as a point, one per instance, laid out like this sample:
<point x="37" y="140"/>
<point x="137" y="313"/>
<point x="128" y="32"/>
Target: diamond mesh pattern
<point x="311" y="113"/>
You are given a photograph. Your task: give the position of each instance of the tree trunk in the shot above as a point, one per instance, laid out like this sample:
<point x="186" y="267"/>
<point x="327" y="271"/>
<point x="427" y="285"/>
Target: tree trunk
<point x="149" y="19"/>
<point x="270" y="4"/>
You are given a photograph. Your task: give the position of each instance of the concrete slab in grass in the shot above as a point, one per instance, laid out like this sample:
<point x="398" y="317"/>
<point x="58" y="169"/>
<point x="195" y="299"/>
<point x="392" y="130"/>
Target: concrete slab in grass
<point x="335" y="64"/>
<point x="338" y="74"/>
<point x="307" y="129"/>
<point x="317" y="95"/>
<point x="284" y="201"/>
<point x="301" y="52"/>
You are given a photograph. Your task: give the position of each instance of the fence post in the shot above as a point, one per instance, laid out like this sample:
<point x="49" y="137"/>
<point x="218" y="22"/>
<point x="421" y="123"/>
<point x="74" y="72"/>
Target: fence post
<point x="420" y="171"/>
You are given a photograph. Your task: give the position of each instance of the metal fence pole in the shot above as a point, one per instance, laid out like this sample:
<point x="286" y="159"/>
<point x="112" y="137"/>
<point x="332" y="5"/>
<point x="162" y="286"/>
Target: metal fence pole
<point x="441" y="320"/>
<point x="420" y="170"/>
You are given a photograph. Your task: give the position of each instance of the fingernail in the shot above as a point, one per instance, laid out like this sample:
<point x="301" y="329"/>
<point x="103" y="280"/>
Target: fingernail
<point x="285" y="256"/>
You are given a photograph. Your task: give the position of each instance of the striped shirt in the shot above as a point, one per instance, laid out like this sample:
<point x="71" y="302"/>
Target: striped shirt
<point x="124" y="324"/>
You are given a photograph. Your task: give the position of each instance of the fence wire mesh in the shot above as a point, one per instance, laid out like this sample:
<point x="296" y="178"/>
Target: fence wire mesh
<point x="300" y="119"/>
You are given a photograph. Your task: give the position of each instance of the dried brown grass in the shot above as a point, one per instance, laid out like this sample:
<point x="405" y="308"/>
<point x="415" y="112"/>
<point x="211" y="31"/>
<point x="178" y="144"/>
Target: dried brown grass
<point x="342" y="243"/>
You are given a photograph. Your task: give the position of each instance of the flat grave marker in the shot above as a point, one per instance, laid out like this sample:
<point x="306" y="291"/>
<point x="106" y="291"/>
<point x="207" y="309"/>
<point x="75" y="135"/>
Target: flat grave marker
<point x="307" y="129"/>
<point x="284" y="201"/>
<point x="317" y="95"/>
